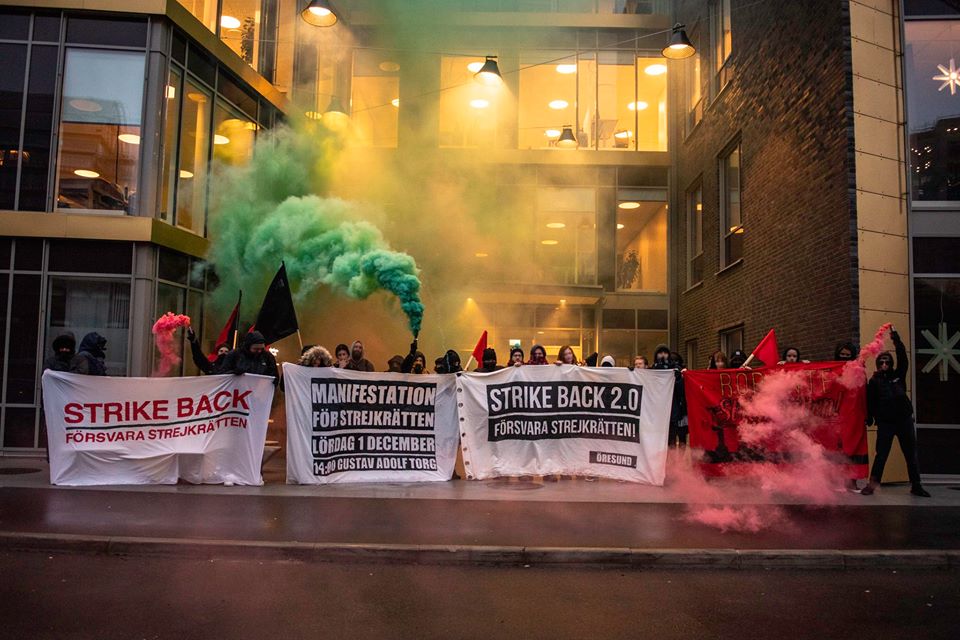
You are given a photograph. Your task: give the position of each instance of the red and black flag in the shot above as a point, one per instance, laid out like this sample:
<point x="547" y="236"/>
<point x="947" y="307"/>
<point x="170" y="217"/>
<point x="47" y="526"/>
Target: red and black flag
<point x="228" y="335"/>
<point x="277" y="318"/>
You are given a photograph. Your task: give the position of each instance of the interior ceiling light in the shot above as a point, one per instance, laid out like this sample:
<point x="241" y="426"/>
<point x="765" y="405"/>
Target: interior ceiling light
<point x="549" y="243"/>
<point x="86" y="173"/>
<point x="555" y="225"/>
<point x="129" y="138"/>
<point x="655" y="69"/>
<point x="481" y="254"/>
<point x="623" y="134"/>
<point x="171" y="92"/>
<point x="319" y="13"/>
<point x="629" y="205"/>
<point x="640" y="105"/>
<point x="679" y="46"/>
<point x="196" y="96"/>
<point x="559" y="104"/>
<point x="566" y="69"/>
<point x="479" y="103"/>
<point x="552" y="133"/>
<point x="186" y="174"/>
<point x="395" y="102"/>
<point x="489" y="73"/>
<point x="620" y="225"/>
<point x="567" y="139"/>
<point x="335" y="116"/>
<point x="389" y="66"/>
<point x="219" y="139"/>
<point x="737" y="228"/>
<point x="89" y="106"/>
<point x="474" y="67"/>
<point x="229" y="22"/>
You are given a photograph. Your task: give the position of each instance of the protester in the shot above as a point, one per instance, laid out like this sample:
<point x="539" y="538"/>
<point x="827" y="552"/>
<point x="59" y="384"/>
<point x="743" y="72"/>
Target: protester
<point x="718" y="360"/>
<point x="316" y="356"/>
<point x="608" y="361"/>
<point x="415" y="361"/>
<point x="90" y="356"/>
<point x="440" y="365"/>
<point x="664" y="359"/>
<point x="845" y="352"/>
<point x="251" y="357"/>
<point x="567" y="356"/>
<point x="342" y="353"/>
<point x="516" y="357"/>
<point x="489" y="362"/>
<point x="791" y="355"/>
<point x="357" y="362"/>
<point x="451" y="361"/>
<point x="64" y="347"/>
<point x="889" y="406"/>
<point x="395" y="364"/>
<point x="738" y="359"/>
<point x="538" y="355"/>
<point x="200" y="359"/>
<point x="591" y="360"/>
<point x="641" y="362"/>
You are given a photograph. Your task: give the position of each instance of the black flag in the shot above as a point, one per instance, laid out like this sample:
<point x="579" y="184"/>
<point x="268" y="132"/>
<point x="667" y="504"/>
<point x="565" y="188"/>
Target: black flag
<point x="277" y="318"/>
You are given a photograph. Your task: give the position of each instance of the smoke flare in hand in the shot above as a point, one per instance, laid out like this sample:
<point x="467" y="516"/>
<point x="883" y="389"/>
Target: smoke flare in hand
<point x="854" y="372"/>
<point x="163" y="330"/>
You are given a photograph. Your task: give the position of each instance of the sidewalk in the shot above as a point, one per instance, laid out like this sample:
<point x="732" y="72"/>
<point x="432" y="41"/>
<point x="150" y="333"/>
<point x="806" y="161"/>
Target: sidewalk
<point x="460" y="522"/>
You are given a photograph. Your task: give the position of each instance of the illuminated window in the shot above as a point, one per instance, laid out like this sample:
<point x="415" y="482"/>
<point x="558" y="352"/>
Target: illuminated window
<point x="566" y="239"/>
<point x="694" y="236"/>
<point x="203" y="10"/>
<point x="193" y="153"/>
<point x="651" y="104"/>
<point x="469" y="110"/>
<point x="240" y="24"/>
<point x="173" y="95"/>
<point x="641" y="245"/>
<point x="375" y="98"/>
<point x="548" y="99"/>
<point x="100" y="130"/>
<point x="694" y="88"/>
<point x="722" y="40"/>
<point x="731" y="216"/>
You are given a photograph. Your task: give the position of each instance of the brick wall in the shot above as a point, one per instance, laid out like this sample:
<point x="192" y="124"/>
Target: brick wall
<point x="790" y="102"/>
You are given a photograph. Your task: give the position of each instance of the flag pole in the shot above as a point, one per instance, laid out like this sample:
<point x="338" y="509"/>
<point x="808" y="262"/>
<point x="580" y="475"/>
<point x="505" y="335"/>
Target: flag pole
<point x="237" y="330"/>
<point x="469" y="362"/>
<point x="300" y="339"/>
<point x="747" y="362"/>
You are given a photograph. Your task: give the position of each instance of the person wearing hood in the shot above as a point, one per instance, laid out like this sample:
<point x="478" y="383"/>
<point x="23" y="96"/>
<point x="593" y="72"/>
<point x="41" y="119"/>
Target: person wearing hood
<point x="737" y="359"/>
<point x="204" y="364"/>
<point x="395" y="364"/>
<point x="889" y="406"/>
<point x="251" y="357"/>
<point x="415" y="362"/>
<point x="516" y="357"/>
<point x="316" y="356"/>
<point x="64" y="347"/>
<point x="845" y="352"/>
<point x="608" y="361"/>
<point x="90" y="356"/>
<point x="451" y="361"/>
<point x="489" y="361"/>
<point x="357" y="362"/>
<point x="664" y="359"/>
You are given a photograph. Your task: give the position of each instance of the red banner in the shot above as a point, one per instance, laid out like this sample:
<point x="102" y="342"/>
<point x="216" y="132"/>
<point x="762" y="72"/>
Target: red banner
<point x="714" y="412"/>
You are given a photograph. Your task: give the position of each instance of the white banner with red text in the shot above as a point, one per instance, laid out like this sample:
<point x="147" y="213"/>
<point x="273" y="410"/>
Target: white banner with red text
<point x="353" y="426"/>
<point x="104" y="430"/>
<point x="543" y="420"/>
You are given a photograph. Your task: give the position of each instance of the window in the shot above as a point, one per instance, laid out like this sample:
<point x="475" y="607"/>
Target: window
<point x="193" y="151"/>
<point x="695" y="236"/>
<point x="566" y="242"/>
<point x="722" y="41"/>
<point x="203" y="10"/>
<point x="934" y="120"/>
<point x="731" y="340"/>
<point x="82" y="305"/>
<point x="240" y="24"/>
<point x="174" y="94"/>
<point x="641" y="245"/>
<point x="694" y="89"/>
<point x="548" y="98"/>
<point x="100" y="130"/>
<point x="469" y="110"/>
<point x="731" y="217"/>
<point x="651" y="104"/>
<point x="375" y="98"/>
<point x="11" y="108"/>
<point x="691" y="354"/>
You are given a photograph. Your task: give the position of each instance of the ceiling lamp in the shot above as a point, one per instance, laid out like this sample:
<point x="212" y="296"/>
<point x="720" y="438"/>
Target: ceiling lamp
<point x="680" y="46"/>
<point x="637" y="106"/>
<point x="395" y="102"/>
<point x="229" y="22"/>
<point x="552" y="133"/>
<point x="566" y="69"/>
<point x="550" y="243"/>
<point x="556" y="225"/>
<point x="623" y="135"/>
<point x="319" y="13"/>
<point x="474" y="66"/>
<point x="629" y="205"/>
<point x="567" y="140"/>
<point x="219" y="139"/>
<point x="86" y="173"/>
<point x="335" y="116"/>
<point x="129" y="138"/>
<point x="620" y="225"/>
<point x="186" y="175"/>
<point x="489" y="73"/>
<point x="558" y="104"/>
<point x="479" y="103"/>
<point x="82" y="104"/>
<point x="655" y="69"/>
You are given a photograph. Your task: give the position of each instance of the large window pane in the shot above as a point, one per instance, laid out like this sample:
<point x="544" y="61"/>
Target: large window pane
<point x="375" y="99"/>
<point x="204" y="10"/>
<point x="194" y="152"/>
<point x="469" y="110"/>
<point x="936" y="322"/>
<point x="933" y="108"/>
<point x="240" y="22"/>
<point x="22" y="354"/>
<point x="731" y="219"/>
<point x="642" y="246"/>
<point x="100" y="130"/>
<point x="548" y="99"/>
<point x="233" y="135"/>
<point x="82" y="305"/>
<point x="174" y="94"/>
<point x="14" y="57"/>
<point x="38" y="128"/>
<point x="616" y="122"/>
<point x="694" y="236"/>
<point x="566" y="238"/>
<point x="651" y="104"/>
<point x="172" y="299"/>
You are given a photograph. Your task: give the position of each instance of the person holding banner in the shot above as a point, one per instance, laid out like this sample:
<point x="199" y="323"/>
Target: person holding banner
<point x="566" y="356"/>
<point x="663" y="358"/>
<point x="357" y="362"/>
<point x="538" y="355"/>
<point x="343" y="356"/>
<point x="889" y="406"/>
<point x="252" y="357"/>
<point x="90" y="357"/>
<point x="516" y="357"/>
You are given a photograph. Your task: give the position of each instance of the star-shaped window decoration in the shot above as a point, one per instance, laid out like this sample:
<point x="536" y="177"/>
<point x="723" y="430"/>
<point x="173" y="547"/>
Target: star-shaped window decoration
<point x="944" y="350"/>
<point x="949" y="77"/>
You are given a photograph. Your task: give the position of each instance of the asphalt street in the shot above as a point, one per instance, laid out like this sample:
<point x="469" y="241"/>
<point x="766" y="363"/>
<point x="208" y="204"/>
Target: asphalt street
<point x="106" y="597"/>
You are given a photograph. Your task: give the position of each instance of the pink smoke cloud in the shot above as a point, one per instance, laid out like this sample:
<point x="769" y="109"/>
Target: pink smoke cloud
<point x="854" y="372"/>
<point x="163" y="330"/>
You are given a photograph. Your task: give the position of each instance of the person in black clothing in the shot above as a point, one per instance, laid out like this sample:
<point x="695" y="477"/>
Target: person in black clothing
<point x="889" y="406"/>
<point x="845" y="352"/>
<point x="663" y="358"/>
<point x="64" y="346"/>
<point x="738" y="359"/>
<point x="204" y="364"/>
<point x="489" y="362"/>
<point x="89" y="359"/>
<point x="251" y="357"/>
<point x="395" y="364"/>
<point x="415" y="362"/>
<point x="516" y="357"/>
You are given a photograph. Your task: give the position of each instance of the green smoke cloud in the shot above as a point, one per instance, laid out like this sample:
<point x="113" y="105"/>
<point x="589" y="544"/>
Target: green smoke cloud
<point x="267" y="211"/>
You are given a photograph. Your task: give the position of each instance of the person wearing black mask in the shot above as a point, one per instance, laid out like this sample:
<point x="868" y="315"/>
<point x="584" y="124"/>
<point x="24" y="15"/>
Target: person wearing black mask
<point x="889" y="406"/>
<point x="90" y="357"/>
<point x="845" y="352"/>
<point x="415" y="362"/>
<point x="663" y="358"/>
<point x="204" y="364"/>
<point x="64" y="346"/>
<point x="489" y="362"/>
<point x="738" y="359"/>
<point x="251" y="357"/>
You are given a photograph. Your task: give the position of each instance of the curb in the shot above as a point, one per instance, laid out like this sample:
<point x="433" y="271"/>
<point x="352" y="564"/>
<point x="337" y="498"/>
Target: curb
<point x="476" y="555"/>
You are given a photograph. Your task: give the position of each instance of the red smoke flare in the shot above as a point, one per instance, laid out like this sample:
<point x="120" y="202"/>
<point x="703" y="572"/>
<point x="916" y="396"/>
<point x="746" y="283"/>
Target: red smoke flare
<point x="163" y="330"/>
